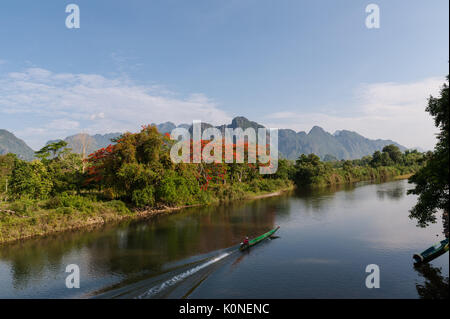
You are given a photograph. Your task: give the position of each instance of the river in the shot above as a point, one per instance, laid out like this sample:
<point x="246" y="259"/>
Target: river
<point x="326" y="239"/>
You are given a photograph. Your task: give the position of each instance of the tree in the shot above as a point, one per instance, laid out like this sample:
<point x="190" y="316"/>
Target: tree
<point x="66" y="172"/>
<point x="6" y="167"/>
<point x="413" y="158"/>
<point x="365" y="160"/>
<point x="432" y="181"/>
<point x="377" y="159"/>
<point x="29" y="180"/>
<point x="55" y="148"/>
<point x="386" y="160"/>
<point x="285" y="170"/>
<point x="330" y="158"/>
<point x="307" y="167"/>
<point x="85" y="141"/>
<point x="347" y="166"/>
<point x="138" y="169"/>
<point x="394" y="153"/>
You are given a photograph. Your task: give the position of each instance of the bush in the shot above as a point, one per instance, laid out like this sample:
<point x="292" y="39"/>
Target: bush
<point x="24" y="206"/>
<point x="29" y="180"/>
<point x="175" y="189"/>
<point x="118" y="206"/>
<point x="80" y="203"/>
<point x="64" y="210"/>
<point x="144" y="197"/>
<point x="167" y="190"/>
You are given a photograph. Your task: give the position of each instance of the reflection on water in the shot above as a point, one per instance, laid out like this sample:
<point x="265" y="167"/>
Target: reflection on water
<point x="133" y="248"/>
<point x="436" y="286"/>
<point x="392" y="193"/>
<point x="326" y="239"/>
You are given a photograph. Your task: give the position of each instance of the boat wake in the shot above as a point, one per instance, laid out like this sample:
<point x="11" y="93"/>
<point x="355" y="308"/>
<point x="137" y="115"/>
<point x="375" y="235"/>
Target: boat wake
<point x="176" y="279"/>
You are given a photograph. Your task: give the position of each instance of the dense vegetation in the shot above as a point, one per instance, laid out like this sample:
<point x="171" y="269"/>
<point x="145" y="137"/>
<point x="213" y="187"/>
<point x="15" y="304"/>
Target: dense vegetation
<point x="432" y="181"/>
<point x="61" y="190"/>
<point x="309" y="170"/>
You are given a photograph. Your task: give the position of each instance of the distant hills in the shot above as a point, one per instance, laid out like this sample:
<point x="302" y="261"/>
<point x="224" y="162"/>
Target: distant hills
<point x="90" y="142"/>
<point x="340" y="145"/>
<point x="9" y="143"/>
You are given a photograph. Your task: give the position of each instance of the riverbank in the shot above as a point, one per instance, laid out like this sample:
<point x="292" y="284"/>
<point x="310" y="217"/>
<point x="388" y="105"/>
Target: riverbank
<point x="404" y="176"/>
<point x="37" y="220"/>
<point x="27" y="219"/>
<point x="127" y="259"/>
<point x="339" y="176"/>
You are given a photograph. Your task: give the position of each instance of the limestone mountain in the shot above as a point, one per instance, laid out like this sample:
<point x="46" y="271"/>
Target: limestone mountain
<point x="9" y="143"/>
<point x="90" y="143"/>
<point x="342" y="144"/>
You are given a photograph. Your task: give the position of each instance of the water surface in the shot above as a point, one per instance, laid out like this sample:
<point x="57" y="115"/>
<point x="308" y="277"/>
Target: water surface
<point x="326" y="240"/>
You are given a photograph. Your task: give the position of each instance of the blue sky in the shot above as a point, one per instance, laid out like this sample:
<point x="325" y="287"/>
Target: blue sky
<point x="287" y="64"/>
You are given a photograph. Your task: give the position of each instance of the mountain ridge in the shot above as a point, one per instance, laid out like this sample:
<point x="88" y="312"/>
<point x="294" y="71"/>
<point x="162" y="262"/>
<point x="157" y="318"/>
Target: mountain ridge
<point x="342" y="144"/>
<point x="9" y="143"/>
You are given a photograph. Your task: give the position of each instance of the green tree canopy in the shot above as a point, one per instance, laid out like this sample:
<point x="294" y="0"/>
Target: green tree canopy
<point x="6" y="167"/>
<point x="307" y="167"/>
<point x="29" y="180"/>
<point x="394" y="153"/>
<point x="53" y="149"/>
<point x="432" y="181"/>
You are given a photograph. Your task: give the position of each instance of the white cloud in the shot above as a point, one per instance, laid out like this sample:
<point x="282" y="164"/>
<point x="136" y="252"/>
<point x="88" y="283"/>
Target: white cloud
<point x="100" y="115"/>
<point x="382" y="110"/>
<point x="95" y="104"/>
<point x="61" y="104"/>
<point x="62" y="125"/>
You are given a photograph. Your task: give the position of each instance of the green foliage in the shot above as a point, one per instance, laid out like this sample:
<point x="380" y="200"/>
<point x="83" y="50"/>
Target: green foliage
<point x="30" y="180"/>
<point x="285" y="171"/>
<point x="329" y="158"/>
<point x="76" y="202"/>
<point x="65" y="210"/>
<point x="66" y="173"/>
<point x="24" y="206"/>
<point x="53" y="149"/>
<point x="175" y="189"/>
<point x="347" y="166"/>
<point x="144" y="197"/>
<point x="432" y="181"/>
<point x="6" y="167"/>
<point x="39" y="179"/>
<point x="394" y="153"/>
<point x="390" y="162"/>
<point x="118" y="206"/>
<point x="308" y="167"/>
<point x="390" y="155"/>
<point x="138" y="161"/>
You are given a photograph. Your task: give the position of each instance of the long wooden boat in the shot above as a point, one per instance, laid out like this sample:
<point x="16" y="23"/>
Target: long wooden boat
<point x="256" y="240"/>
<point x="432" y="252"/>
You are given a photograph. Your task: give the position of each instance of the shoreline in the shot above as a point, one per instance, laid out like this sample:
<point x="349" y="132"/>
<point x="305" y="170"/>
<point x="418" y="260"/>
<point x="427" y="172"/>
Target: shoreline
<point x="383" y="180"/>
<point x="92" y="223"/>
<point x="404" y="176"/>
